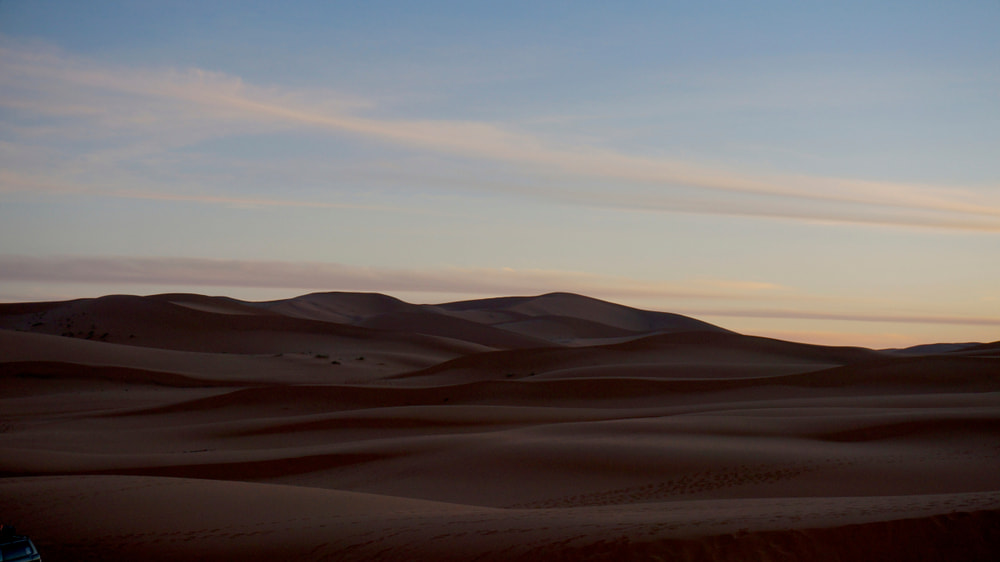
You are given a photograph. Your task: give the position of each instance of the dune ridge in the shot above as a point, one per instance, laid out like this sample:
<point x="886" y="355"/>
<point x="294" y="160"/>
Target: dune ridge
<point x="356" y="426"/>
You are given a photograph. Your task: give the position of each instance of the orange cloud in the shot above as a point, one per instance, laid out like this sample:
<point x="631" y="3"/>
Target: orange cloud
<point x="333" y="276"/>
<point x="851" y="317"/>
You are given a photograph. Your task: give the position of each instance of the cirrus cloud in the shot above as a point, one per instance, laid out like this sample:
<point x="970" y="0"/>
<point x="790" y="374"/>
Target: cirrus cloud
<point x="326" y="276"/>
<point x="335" y="276"/>
<point x="120" y="117"/>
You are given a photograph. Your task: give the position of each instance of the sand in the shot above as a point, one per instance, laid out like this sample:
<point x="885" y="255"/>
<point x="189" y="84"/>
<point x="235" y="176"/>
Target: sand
<point x="358" y="427"/>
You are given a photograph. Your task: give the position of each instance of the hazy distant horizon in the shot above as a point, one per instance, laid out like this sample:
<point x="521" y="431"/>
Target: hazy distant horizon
<point x="722" y="318"/>
<point x="825" y="174"/>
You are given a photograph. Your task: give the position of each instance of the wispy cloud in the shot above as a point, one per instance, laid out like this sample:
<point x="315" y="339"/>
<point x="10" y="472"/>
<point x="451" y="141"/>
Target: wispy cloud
<point x="849" y="316"/>
<point x="12" y="182"/>
<point x="252" y="202"/>
<point x="131" y="112"/>
<point x="878" y="340"/>
<point x="333" y="276"/>
<point x="325" y="276"/>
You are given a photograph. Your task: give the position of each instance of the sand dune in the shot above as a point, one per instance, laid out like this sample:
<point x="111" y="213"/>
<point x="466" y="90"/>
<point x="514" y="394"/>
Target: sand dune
<point x="341" y="426"/>
<point x="171" y="322"/>
<point x="565" y="317"/>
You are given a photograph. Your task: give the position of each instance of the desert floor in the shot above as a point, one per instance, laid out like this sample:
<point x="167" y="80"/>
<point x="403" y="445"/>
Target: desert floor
<point x="346" y="426"/>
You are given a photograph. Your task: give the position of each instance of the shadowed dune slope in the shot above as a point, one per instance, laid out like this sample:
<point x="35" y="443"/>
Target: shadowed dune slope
<point x="341" y="308"/>
<point x="193" y="323"/>
<point x="512" y="322"/>
<point x="686" y="355"/>
<point x="353" y="426"/>
<point x="434" y="324"/>
<point x="513" y="309"/>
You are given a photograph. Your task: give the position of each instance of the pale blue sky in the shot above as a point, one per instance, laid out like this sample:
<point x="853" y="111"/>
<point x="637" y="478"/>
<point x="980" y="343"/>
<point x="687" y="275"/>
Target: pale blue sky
<point x="816" y="171"/>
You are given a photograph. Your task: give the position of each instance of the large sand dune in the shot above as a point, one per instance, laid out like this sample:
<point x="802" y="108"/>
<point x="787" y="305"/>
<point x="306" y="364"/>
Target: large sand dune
<point x="358" y="427"/>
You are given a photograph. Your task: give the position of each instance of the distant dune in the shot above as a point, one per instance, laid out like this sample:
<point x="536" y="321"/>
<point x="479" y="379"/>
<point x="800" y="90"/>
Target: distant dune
<point x="355" y="426"/>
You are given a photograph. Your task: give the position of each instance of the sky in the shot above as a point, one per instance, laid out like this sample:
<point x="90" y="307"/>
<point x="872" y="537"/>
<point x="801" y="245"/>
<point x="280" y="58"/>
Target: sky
<point x="824" y="172"/>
